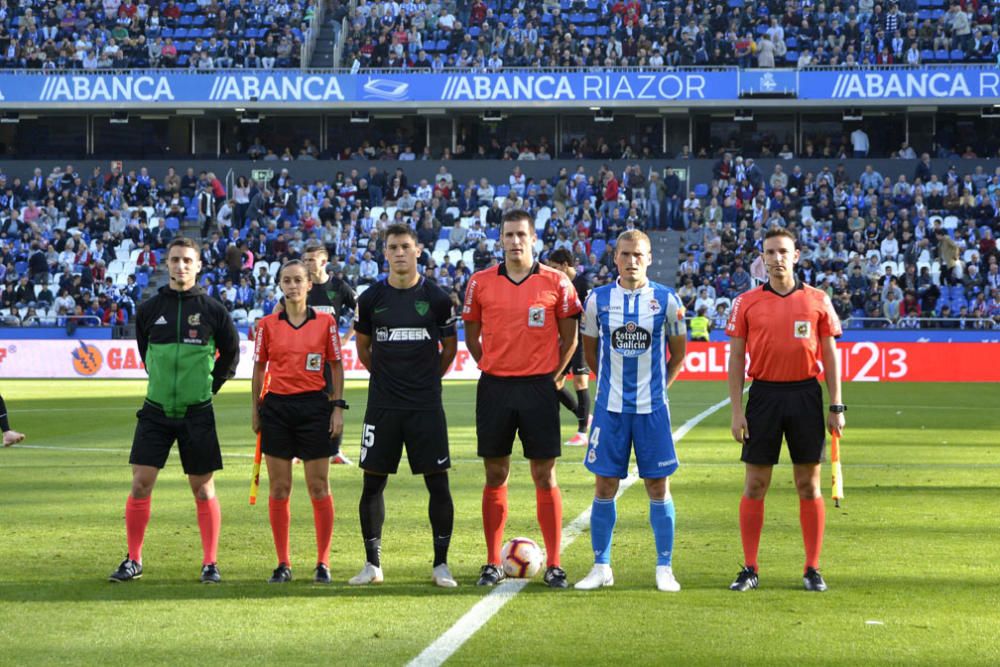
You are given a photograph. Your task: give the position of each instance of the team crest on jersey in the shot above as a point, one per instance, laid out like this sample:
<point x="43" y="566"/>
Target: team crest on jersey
<point x="194" y="319"/>
<point x="592" y="456"/>
<point x="654" y="306"/>
<point x="314" y="362"/>
<point x="631" y="340"/>
<point x="422" y="307"/>
<point x="803" y="328"/>
<point x="536" y="316"/>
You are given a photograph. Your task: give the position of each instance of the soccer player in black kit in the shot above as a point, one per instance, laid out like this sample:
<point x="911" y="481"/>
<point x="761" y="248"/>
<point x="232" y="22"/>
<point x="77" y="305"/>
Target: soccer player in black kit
<point x="329" y="294"/>
<point x="563" y="260"/>
<point x="406" y="339"/>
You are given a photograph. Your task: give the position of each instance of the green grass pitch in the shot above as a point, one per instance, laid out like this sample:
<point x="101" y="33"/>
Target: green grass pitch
<point x="911" y="557"/>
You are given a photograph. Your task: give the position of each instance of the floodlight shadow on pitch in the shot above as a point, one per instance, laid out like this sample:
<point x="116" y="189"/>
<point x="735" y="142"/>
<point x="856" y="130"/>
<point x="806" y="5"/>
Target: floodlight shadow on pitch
<point x="119" y="118"/>
<point x="361" y="117"/>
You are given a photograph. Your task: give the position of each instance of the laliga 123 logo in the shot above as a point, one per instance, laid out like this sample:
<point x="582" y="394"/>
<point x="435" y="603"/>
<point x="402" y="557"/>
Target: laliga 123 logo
<point x="386" y="89"/>
<point x="87" y="359"/>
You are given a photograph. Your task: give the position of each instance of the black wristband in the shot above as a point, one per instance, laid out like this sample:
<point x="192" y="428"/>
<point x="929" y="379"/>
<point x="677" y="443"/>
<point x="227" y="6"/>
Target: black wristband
<point x="341" y="403"/>
<point x="838" y="407"/>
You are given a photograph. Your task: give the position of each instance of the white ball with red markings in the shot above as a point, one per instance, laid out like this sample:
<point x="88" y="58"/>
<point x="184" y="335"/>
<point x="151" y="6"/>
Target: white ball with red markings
<point x="521" y="558"/>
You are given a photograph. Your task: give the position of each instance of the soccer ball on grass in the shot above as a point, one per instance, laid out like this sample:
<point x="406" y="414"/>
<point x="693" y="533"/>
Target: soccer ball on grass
<point x="521" y="558"/>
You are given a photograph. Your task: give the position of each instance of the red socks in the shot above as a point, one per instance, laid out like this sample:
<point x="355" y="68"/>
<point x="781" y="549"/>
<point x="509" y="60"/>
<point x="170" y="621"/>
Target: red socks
<point x="209" y="523"/>
<point x="323" y="519"/>
<point x="280" y="513"/>
<point x="136" y="520"/>
<point x="751" y="524"/>
<point x="812" y="516"/>
<point x="494" y="520"/>
<point x="548" y="507"/>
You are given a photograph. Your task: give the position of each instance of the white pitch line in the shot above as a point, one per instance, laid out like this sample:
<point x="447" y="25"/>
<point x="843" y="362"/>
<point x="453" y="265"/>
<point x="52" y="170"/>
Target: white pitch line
<point x="445" y="646"/>
<point x="107" y="450"/>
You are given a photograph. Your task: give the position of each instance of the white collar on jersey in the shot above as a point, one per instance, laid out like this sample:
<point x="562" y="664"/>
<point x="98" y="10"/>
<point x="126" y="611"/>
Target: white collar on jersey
<point x="637" y="290"/>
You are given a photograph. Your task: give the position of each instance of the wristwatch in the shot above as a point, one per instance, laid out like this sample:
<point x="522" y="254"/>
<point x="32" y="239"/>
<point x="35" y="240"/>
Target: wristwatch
<point x="838" y="407"/>
<point x="341" y="403"/>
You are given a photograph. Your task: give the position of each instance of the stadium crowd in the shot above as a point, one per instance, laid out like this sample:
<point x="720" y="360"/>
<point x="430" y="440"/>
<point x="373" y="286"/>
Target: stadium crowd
<point x="118" y="34"/>
<point x="898" y="249"/>
<point x="490" y="35"/>
<point x="909" y="249"/>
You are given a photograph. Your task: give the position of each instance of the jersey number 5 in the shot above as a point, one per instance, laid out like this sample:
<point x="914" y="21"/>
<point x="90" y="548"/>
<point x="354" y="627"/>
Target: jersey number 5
<point x="368" y="435"/>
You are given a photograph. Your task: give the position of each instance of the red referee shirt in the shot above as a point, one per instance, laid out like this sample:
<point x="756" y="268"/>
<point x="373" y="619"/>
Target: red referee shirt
<point x="783" y="333"/>
<point x="296" y="356"/>
<point x="520" y="333"/>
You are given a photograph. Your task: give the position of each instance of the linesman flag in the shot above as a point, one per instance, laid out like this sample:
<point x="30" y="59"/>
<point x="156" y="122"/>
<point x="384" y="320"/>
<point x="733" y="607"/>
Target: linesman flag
<point x="838" y="474"/>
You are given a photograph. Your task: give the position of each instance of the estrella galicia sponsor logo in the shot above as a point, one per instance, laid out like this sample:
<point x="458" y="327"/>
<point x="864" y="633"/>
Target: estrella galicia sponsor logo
<point x="146" y="88"/>
<point x="275" y="88"/>
<point x="631" y="340"/>
<point x="386" y="89"/>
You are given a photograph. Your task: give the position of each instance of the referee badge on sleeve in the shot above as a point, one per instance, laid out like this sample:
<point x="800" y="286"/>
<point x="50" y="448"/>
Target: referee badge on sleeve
<point x="536" y="316"/>
<point x="803" y="328"/>
<point x="314" y="362"/>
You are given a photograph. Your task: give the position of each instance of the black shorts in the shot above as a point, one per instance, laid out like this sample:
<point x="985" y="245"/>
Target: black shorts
<point x="577" y="364"/>
<point x="296" y="426"/>
<point x="195" y="434"/>
<point x="793" y="410"/>
<point x="423" y="432"/>
<point x="526" y="406"/>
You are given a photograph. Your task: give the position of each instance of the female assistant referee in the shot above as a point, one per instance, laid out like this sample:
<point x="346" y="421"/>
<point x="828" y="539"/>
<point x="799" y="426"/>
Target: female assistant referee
<point x="296" y="418"/>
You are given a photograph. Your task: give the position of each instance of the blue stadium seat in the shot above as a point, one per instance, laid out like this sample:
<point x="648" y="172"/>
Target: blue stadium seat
<point x="924" y="15"/>
<point x="186" y="20"/>
<point x="142" y="279"/>
<point x="199" y="20"/>
<point x="603" y="31"/>
<point x="182" y="60"/>
<point x="474" y="31"/>
<point x="575" y="17"/>
<point x="791" y="42"/>
<point x="597" y="247"/>
<point x="701" y="190"/>
<point x="167" y="32"/>
<point x="926" y="56"/>
<point x="587" y="31"/>
<point x="941" y="55"/>
<point x="172" y="223"/>
<point x="792" y="57"/>
<point x="20" y="267"/>
<point x="181" y="33"/>
<point x="502" y="190"/>
<point x="957" y="55"/>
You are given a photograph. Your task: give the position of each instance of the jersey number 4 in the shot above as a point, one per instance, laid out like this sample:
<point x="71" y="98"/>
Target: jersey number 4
<point x="595" y="435"/>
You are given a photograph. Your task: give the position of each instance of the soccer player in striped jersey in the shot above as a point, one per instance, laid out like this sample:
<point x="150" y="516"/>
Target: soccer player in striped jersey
<point x="628" y="329"/>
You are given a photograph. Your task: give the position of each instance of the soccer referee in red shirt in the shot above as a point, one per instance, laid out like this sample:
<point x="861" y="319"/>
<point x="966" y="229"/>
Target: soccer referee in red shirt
<point x="786" y="327"/>
<point x="520" y="328"/>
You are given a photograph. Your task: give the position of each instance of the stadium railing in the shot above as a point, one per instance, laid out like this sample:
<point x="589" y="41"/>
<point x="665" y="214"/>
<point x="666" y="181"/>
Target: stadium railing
<point x="312" y="33"/>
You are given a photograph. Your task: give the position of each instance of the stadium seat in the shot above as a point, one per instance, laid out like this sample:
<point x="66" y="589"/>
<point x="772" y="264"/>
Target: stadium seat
<point x="701" y="190"/>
